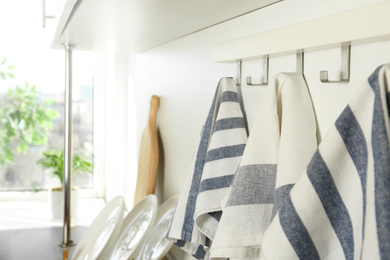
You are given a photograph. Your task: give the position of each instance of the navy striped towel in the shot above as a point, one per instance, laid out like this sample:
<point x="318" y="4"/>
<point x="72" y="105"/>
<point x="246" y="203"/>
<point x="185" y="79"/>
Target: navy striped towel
<point x="220" y="149"/>
<point x="280" y="145"/>
<point x="340" y="207"/>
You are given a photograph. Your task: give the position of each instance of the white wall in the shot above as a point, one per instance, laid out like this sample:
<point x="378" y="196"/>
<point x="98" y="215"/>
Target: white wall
<point x="183" y="75"/>
<point x="114" y="130"/>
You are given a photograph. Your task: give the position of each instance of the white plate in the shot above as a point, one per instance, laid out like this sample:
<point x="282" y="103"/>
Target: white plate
<point x="102" y="231"/>
<point x="157" y="245"/>
<point x="136" y="226"/>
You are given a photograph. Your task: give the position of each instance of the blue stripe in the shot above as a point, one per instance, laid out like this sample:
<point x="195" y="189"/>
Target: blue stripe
<point x="200" y="253"/>
<point x="353" y="137"/>
<point x="229" y="123"/>
<point x="333" y="204"/>
<point x="216" y="183"/>
<point x="381" y="154"/>
<point x="207" y="242"/>
<point x="280" y="196"/>
<point x="230" y="96"/>
<point x="225" y="152"/>
<point x="253" y="184"/>
<point x="188" y="224"/>
<point x="296" y="232"/>
<point x="180" y="243"/>
<point x="216" y="215"/>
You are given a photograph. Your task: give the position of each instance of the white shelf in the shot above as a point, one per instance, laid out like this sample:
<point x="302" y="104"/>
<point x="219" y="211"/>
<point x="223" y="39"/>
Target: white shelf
<point x="362" y="25"/>
<point x="137" y="25"/>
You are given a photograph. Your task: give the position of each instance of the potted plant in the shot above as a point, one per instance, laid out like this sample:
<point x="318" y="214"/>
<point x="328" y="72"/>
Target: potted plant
<point x="25" y="117"/>
<point x="54" y="161"/>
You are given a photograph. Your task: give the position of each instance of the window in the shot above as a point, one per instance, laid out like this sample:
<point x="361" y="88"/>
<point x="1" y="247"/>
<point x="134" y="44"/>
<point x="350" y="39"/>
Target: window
<point x="26" y="47"/>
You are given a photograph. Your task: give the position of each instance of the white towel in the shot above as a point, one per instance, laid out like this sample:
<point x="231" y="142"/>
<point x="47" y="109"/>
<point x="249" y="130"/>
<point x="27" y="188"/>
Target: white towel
<point x="220" y="149"/>
<point x="280" y="145"/>
<point x="340" y="207"/>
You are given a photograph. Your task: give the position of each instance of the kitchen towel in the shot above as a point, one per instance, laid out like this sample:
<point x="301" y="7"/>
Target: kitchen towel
<point x="340" y="207"/>
<point x="280" y="145"/>
<point x="219" y="152"/>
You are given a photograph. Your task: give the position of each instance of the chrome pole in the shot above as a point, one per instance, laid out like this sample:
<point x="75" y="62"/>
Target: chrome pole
<point x="43" y="13"/>
<point x="67" y="146"/>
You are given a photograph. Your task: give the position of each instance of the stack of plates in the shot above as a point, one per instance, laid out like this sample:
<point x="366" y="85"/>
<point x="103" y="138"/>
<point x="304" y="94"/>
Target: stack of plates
<point x="140" y="235"/>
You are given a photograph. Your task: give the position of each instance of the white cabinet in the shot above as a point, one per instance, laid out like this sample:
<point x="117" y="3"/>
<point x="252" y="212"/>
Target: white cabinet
<point x="136" y="25"/>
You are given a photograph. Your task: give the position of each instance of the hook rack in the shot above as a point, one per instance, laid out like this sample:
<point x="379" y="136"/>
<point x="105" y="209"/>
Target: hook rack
<point x="265" y="74"/>
<point x="299" y="66"/>
<point x="372" y="28"/>
<point x="345" y="67"/>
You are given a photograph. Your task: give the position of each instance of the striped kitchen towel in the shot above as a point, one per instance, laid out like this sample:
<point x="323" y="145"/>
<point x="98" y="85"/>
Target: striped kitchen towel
<point x="280" y="145"/>
<point x="340" y="207"/>
<point x="220" y="149"/>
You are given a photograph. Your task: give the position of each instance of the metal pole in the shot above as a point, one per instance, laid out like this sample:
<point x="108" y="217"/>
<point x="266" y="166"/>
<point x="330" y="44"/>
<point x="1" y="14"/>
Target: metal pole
<point x="67" y="146"/>
<point x="43" y="13"/>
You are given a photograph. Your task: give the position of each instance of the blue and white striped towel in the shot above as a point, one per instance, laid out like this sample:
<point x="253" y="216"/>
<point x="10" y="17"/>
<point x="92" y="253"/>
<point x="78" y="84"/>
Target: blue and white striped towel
<point x="340" y="207"/>
<point x="220" y="149"/>
<point x="280" y="145"/>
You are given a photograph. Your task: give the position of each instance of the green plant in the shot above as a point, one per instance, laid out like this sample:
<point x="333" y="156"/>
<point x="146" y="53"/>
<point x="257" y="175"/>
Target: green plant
<point x="24" y="119"/>
<point x="54" y="160"/>
<point x="6" y="70"/>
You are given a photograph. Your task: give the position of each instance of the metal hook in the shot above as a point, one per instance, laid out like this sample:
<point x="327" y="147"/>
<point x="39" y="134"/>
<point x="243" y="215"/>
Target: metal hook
<point x="345" y="67"/>
<point x="265" y="74"/>
<point x="300" y="62"/>
<point x="239" y="73"/>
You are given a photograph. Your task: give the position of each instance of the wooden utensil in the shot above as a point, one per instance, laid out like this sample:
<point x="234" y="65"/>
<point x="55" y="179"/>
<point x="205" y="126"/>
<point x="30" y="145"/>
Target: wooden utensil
<point x="149" y="155"/>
